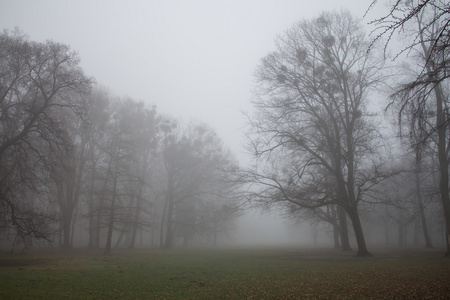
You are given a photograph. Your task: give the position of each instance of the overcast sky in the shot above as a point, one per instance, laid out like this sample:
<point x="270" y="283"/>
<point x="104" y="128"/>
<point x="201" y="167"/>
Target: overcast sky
<point x="192" y="59"/>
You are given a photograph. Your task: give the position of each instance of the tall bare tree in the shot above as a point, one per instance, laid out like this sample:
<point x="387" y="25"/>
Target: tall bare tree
<point x="40" y="84"/>
<point x="311" y="133"/>
<point x="423" y="97"/>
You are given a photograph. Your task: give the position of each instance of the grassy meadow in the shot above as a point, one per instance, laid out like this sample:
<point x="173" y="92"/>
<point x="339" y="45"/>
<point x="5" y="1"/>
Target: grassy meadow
<point x="220" y="274"/>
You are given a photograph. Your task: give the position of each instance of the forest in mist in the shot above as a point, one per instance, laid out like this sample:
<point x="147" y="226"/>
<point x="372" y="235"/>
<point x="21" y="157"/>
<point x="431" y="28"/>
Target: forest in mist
<point x="348" y="136"/>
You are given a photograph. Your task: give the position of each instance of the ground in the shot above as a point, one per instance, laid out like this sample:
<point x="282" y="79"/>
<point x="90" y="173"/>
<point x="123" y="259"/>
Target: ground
<point x="274" y="273"/>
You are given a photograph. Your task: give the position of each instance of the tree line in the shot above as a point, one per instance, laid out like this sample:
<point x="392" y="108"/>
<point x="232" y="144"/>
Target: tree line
<point x="79" y="167"/>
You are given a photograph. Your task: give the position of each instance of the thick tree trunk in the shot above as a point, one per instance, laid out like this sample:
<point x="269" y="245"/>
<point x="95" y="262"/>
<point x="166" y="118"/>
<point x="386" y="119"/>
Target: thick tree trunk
<point x="67" y="222"/>
<point x="443" y="162"/>
<point x="336" y="226"/>
<point x="336" y="237"/>
<point x="360" y="240"/>
<point x="344" y="229"/>
<point x="441" y="127"/>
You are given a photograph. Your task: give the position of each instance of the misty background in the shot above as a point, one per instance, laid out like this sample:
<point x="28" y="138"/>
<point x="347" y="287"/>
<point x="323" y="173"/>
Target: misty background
<point x="194" y="61"/>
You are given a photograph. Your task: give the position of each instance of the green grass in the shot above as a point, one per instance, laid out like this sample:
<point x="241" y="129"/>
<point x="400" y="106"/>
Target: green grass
<point x="244" y="274"/>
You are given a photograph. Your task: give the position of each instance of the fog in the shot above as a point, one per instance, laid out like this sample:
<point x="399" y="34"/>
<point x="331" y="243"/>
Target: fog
<point x="196" y="62"/>
<point x="192" y="59"/>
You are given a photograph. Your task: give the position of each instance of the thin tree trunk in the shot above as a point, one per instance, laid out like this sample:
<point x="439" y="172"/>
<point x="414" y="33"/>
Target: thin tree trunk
<point x="169" y="224"/>
<point x="112" y="213"/>
<point x="423" y="219"/>
<point x="66" y="229"/>
<point x="163" y="221"/>
<point x="401" y="239"/>
<point x="443" y="163"/>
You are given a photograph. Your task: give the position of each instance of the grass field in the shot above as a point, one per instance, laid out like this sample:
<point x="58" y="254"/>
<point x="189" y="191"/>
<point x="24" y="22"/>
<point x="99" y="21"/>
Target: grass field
<point x="219" y="274"/>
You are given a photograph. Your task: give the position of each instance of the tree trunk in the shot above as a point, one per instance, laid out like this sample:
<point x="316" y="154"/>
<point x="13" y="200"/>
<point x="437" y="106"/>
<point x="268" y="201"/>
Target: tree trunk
<point x="72" y="230"/>
<point x="169" y="224"/>
<point x="336" y="227"/>
<point x="169" y="214"/>
<point x="67" y="222"/>
<point x="110" y="231"/>
<point x="420" y="202"/>
<point x="136" y="219"/>
<point x="360" y="240"/>
<point x="336" y="237"/>
<point x="344" y="229"/>
<point x="112" y="213"/>
<point x="163" y="221"/>
<point x="443" y="162"/>
<point x="401" y="230"/>
<point x="441" y="127"/>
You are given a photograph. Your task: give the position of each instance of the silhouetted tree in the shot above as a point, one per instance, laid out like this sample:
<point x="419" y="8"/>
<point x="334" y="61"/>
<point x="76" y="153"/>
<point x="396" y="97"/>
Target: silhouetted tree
<point x="41" y="84"/>
<point x="423" y="98"/>
<point x="310" y="132"/>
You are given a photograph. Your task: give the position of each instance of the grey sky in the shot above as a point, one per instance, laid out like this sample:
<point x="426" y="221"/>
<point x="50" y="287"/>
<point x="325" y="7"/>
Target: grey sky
<point x="192" y="59"/>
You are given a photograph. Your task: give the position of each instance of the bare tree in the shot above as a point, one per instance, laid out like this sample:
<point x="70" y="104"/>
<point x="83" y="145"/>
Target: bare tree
<point x="405" y="13"/>
<point x="196" y="166"/>
<point x="424" y="96"/>
<point x="311" y="133"/>
<point x="40" y="84"/>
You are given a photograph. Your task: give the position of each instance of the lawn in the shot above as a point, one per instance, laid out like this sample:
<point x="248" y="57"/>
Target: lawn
<point x="219" y="274"/>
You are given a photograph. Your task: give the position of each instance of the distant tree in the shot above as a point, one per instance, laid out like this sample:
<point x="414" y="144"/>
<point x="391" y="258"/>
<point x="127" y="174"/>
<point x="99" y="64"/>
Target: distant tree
<point x="40" y="85"/>
<point x="130" y="145"/>
<point x="71" y="173"/>
<point x="98" y="117"/>
<point x="330" y="214"/>
<point x="195" y="164"/>
<point x="311" y="133"/>
<point x="146" y="135"/>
